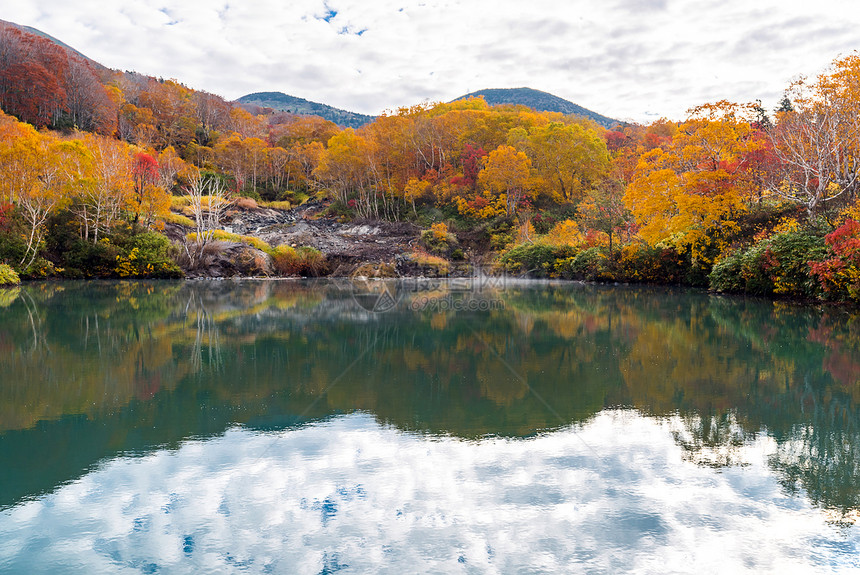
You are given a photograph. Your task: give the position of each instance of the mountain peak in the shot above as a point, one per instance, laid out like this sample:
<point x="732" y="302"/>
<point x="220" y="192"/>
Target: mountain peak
<point x="540" y="101"/>
<point x="294" y="105"/>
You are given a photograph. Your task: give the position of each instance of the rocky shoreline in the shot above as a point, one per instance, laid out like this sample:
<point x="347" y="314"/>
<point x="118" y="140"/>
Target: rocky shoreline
<point x="365" y="248"/>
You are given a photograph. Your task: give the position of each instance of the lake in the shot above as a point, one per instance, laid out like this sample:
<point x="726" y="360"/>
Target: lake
<point x="470" y="426"/>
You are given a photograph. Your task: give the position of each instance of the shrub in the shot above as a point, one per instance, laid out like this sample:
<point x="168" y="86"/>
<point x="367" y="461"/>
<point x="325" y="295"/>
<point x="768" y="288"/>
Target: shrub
<point x="251" y="262"/>
<point x="39" y="269"/>
<point x="8" y="276"/>
<point x="179" y="202"/>
<point x="482" y="207"/>
<point x="433" y="265"/>
<point x="339" y="209"/>
<point x="147" y="255"/>
<point x="88" y="259"/>
<point x="295" y="198"/>
<point x="12" y="247"/>
<point x="277" y="205"/>
<point x="129" y="251"/>
<point x="314" y="263"/>
<point x="13" y="235"/>
<point x="501" y="240"/>
<point x="543" y="223"/>
<point x="302" y="261"/>
<point x="642" y="263"/>
<point x="285" y="260"/>
<point x="536" y="259"/>
<point x="245" y="203"/>
<point x="564" y="233"/>
<point x="589" y="264"/>
<point x="727" y="274"/>
<point x="177" y="219"/>
<point x="250" y="194"/>
<point x="500" y="232"/>
<point x="839" y="275"/>
<point x="437" y="240"/>
<point x="221" y="235"/>
<point x="439" y="231"/>
<point x="778" y="265"/>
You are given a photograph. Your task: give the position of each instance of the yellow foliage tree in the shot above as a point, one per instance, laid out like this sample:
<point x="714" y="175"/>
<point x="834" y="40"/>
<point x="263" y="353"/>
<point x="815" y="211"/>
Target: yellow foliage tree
<point x="570" y="159"/>
<point x="565" y="233"/>
<point x="506" y="172"/>
<point x="343" y="167"/>
<point x="484" y="206"/>
<point x="690" y="194"/>
<point x="104" y="184"/>
<point x="414" y="190"/>
<point x="31" y="175"/>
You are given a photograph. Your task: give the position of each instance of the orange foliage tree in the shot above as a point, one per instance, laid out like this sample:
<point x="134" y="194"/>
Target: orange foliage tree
<point x="690" y="194"/>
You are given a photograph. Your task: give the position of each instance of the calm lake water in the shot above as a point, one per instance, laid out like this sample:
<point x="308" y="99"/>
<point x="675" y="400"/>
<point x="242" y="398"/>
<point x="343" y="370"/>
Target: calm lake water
<point x="486" y="427"/>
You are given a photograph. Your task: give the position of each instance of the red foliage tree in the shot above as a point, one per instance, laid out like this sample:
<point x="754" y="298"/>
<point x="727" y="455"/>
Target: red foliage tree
<point x="35" y="95"/>
<point x="614" y="140"/>
<point x="839" y="276"/>
<point x="144" y="173"/>
<point x="31" y="72"/>
<point x="471" y="160"/>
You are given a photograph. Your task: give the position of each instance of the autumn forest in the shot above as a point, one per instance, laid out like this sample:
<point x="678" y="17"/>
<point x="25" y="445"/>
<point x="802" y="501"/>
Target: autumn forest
<point x="115" y="174"/>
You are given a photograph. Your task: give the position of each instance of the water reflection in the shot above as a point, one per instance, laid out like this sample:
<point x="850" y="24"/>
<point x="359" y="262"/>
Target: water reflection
<point x="93" y="371"/>
<point x="351" y="494"/>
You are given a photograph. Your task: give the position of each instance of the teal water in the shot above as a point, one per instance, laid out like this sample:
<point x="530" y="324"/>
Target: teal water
<point x="488" y="427"/>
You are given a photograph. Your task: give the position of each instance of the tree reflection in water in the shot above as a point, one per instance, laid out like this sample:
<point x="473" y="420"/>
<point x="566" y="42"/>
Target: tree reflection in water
<point x="186" y="359"/>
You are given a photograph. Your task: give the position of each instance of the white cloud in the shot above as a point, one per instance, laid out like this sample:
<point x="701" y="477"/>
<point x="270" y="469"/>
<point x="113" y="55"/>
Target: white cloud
<point x="626" y="59"/>
<point x="613" y="495"/>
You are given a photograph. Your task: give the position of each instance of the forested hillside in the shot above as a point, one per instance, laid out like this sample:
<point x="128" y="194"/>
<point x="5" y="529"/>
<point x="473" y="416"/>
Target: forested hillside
<point x="96" y="166"/>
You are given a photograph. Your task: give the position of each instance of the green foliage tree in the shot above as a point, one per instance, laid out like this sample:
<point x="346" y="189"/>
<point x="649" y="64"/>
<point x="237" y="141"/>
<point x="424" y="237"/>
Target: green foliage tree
<point x="570" y="158"/>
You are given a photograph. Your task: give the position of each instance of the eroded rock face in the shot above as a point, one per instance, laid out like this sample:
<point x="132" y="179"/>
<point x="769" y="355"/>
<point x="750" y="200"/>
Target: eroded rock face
<point x="252" y="222"/>
<point x="230" y="259"/>
<point x="347" y="246"/>
<point x="380" y="242"/>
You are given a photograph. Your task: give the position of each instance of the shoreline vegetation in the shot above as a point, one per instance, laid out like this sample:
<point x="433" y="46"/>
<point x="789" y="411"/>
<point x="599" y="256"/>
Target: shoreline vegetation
<point x="108" y="174"/>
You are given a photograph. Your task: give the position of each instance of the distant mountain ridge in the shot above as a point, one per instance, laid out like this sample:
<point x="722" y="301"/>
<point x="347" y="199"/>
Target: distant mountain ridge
<point x="535" y="99"/>
<point x="540" y="101"/>
<point x="292" y="104"/>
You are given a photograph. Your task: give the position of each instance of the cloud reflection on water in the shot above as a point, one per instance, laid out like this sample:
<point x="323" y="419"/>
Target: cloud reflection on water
<point x="353" y="495"/>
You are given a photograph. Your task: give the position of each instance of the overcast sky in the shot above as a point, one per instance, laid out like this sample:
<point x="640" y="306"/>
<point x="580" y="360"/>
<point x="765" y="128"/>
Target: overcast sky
<point x="628" y="59"/>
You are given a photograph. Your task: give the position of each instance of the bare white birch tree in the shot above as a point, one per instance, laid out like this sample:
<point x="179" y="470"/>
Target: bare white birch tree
<point x="208" y="199"/>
